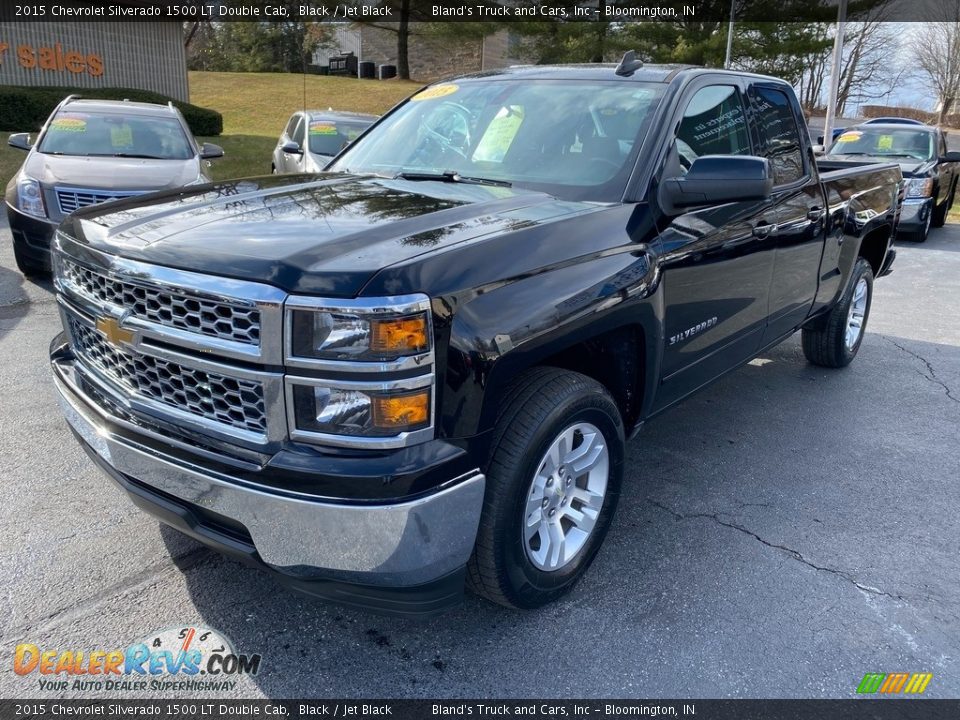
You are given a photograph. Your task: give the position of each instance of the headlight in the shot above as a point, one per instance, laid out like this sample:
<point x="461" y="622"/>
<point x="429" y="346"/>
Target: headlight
<point x="365" y="344"/>
<point x="383" y="330"/>
<point x="919" y="187"/>
<point x="369" y="414"/>
<point x="30" y="197"/>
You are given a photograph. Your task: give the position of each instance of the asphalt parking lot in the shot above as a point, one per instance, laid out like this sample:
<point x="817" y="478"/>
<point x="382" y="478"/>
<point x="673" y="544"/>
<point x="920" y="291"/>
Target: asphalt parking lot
<point x="780" y="535"/>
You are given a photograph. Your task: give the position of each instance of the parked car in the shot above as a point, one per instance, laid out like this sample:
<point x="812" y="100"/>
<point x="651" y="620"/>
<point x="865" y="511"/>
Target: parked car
<point x="931" y="172"/>
<point x="422" y="367"/>
<point x="312" y="138"/>
<point x="92" y="151"/>
<point x="892" y="121"/>
<point x="838" y="131"/>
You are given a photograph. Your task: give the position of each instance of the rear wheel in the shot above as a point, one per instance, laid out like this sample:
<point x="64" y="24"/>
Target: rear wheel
<point x="553" y="482"/>
<point x="835" y="341"/>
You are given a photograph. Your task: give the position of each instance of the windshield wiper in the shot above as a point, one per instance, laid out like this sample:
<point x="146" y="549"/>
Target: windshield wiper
<point x="137" y="155"/>
<point x="452" y="176"/>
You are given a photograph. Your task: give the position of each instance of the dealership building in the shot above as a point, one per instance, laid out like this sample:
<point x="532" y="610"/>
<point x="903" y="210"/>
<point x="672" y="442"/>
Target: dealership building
<point x="141" y="55"/>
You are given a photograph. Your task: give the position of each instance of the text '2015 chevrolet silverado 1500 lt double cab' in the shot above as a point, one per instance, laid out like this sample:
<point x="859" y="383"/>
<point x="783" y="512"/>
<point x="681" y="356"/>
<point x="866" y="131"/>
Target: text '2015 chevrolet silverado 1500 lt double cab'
<point x="417" y="371"/>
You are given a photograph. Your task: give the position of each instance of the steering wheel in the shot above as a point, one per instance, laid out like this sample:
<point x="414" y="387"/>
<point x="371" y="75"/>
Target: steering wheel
<point x="605" y="161"/>
<point x="447" y="143"/>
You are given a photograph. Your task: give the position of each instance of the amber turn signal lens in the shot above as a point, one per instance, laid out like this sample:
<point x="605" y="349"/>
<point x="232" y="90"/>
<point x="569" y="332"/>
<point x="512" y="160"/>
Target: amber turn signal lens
<point x="401" y="412"/>
<point x="402" y="336"/>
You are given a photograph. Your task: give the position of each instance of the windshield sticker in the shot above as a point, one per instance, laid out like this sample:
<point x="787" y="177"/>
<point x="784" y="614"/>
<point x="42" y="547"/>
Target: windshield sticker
<point x="69" y="124"/>
<point x="121" y="136"/>
<point x="498" y="138"/>
<point x="852" y="136"/>
<point x="322" y="128"/>
<point x="885" y="142"/>
<point x="437" y="91"/>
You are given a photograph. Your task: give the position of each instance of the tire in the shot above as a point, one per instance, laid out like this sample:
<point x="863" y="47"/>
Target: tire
<point x="546" y="403"/>
<point x="29" y="266"/>
<point x="940" y="213"/>
<point x="827" y="344"/>
<point x="924" y="232"/>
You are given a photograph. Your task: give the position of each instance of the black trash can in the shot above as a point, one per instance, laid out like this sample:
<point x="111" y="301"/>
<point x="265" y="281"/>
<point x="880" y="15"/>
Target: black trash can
<point x="368" y="70"/>
<point x="388" y="71"/>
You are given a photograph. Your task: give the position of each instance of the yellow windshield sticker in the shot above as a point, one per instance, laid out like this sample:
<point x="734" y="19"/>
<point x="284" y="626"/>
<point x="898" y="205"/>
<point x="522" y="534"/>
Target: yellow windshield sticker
<point x="69" y="124"/>
<point x="498" y="138"/>
<point x="849" y="137"/>
<point x="437" y="91"/>
<point x="885" y="142"/>
<point x="322" y="128"/>
<point x="121" y="136"/>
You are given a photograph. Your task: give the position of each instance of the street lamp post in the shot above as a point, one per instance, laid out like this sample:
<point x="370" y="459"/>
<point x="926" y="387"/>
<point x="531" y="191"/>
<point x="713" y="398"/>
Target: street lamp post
<point x="835" y="75"/>
<point x="726" y="62"/>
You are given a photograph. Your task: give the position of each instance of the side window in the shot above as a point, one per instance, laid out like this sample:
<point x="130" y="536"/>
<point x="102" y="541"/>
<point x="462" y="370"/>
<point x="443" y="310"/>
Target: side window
<point x="714" y="123"/>
<point x="779" y="135"/>
<point x="291" y="126"/>
<point x="299" y="134"/>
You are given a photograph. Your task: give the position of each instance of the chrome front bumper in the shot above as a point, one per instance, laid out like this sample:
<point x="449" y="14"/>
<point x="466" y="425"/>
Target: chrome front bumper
<point x="386" y="545"/>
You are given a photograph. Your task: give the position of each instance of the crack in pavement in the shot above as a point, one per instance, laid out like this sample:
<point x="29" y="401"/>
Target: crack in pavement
<point x="150" y="573"/>
<point x="931" y="374"/>
<point x="796" y="555"/>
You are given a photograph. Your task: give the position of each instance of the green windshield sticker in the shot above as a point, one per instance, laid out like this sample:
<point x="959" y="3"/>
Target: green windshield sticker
<point x="69" y="124"/>
<point x="885" y="142"/>
<point x="498" y="138"/>
<point x="322" y="128"/>
<point x="121" y="136"/>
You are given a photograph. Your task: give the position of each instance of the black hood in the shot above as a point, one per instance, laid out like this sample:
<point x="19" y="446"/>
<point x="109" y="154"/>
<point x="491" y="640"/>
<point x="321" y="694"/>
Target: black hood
<point x="322" y="234"/>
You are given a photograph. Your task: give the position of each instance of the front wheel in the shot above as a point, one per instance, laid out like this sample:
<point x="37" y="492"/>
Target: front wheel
<point x="28" y="265"/>
<point x="553" y="482"/>
<point x="834" y="342"/>
<point x="939" y="218"/>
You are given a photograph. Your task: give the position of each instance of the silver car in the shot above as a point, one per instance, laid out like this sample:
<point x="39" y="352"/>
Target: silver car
<point x="312" y="138"/>
<point x="92" y="151"/>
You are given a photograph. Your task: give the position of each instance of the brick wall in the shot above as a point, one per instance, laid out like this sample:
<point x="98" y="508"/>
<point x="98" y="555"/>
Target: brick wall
<point x="434" y="58"/>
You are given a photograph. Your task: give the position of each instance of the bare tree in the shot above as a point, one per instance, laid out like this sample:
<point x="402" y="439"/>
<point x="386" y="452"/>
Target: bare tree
<point x="868" y="68"/>
<point x="937" y="54"/>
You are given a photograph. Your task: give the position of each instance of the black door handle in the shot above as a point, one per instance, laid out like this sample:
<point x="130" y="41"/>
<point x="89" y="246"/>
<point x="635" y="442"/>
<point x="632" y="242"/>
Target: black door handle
<point x="763" y="230"/>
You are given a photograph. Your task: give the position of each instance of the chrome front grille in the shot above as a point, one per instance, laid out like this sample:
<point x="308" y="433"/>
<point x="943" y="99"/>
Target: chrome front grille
<point x="188" y="312"/>
<point x="234" y="402"/>
<point x="71" y="199"/>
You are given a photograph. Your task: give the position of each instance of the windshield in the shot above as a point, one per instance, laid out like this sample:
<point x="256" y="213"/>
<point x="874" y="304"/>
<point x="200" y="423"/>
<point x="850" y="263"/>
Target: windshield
<point x="328" y="137"/>
<point x="886" y="142"/>
<point x="576" y="140"/>
<point x="116" y="135"/>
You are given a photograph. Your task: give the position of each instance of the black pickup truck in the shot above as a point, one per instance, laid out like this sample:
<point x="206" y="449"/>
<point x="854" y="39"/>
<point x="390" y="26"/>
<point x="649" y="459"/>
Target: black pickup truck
<point x="418" y="370"/>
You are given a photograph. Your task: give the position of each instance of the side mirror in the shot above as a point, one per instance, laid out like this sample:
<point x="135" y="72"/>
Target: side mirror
<point x="717" y="179"/>
<point x="20" y="141"/>
<point x="209" y="151"/>
<point x="291" y="148"/>
<point x="952" y="156"/>
<point x="819" y="139"/>
<point x="819" y="150"/>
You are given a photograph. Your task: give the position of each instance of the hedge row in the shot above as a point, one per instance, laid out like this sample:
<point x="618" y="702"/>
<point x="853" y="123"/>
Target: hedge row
<point x="25" y="109"/>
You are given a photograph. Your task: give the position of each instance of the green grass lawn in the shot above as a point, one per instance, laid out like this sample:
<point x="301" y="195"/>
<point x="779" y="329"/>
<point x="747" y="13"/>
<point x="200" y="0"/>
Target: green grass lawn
<point x="256" y="106"/>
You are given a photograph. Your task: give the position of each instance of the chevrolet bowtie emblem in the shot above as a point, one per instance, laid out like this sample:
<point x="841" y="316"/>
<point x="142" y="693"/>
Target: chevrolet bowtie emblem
<point x="110" y="328"/>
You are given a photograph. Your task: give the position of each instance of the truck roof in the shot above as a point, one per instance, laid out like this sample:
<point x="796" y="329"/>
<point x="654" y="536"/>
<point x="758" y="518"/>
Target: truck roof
<point x="606" y="71"/>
